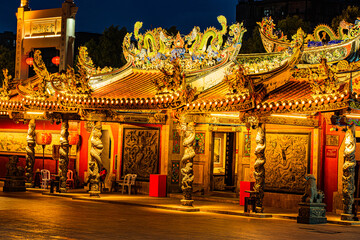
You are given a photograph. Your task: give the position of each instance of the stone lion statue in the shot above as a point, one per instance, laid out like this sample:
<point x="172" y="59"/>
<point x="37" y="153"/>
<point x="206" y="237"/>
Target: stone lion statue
<point x="312" y="194"/>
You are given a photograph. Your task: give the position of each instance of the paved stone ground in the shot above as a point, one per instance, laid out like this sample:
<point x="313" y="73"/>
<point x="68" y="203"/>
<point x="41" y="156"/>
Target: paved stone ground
<point x="35" y="216"/>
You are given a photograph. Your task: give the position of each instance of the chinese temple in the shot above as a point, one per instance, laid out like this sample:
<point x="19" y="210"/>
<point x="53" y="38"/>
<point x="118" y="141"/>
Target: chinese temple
<point x="190" y="107"/>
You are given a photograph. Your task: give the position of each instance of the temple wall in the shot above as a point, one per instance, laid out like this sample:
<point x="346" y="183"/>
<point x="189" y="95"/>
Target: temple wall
<point x="13" y="142"/>
<point x="291" y="152"/>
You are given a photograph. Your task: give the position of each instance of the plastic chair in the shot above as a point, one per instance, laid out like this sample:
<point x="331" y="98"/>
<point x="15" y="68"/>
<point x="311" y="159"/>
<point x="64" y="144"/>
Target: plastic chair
<point x="70" y="179"/>
<point x="45" y="178"/>
<point x="126" y="182"/>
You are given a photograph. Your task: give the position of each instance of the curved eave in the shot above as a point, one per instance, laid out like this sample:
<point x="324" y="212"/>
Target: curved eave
<point x="218" y="99"/>
<point x="295" y="96"/>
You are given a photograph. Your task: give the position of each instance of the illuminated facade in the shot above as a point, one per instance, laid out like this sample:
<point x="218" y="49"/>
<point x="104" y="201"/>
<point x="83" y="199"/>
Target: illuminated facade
<point x="190" y="107"/>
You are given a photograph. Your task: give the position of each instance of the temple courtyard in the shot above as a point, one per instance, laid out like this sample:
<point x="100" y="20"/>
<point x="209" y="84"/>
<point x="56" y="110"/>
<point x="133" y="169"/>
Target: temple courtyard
<point x="33" y="215"/>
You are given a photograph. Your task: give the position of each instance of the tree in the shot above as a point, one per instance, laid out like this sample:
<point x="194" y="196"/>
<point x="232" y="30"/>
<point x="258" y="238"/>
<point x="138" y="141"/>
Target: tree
<point x="291" y="24"/>
<point x="7" y="60"/>
<point x="172" y="31"/>
<point x="253" y="44"/>
<point x="107" y="51"/>
<point x="350" y="14"/>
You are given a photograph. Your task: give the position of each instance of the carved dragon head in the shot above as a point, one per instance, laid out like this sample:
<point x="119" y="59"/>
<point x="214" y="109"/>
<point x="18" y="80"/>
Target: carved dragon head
<point x="137" y="27"/>
<point x="222" y="20"/>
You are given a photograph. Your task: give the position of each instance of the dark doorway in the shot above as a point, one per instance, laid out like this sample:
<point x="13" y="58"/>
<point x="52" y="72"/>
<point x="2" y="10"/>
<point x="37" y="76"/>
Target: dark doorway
<point x="223" y="162"/>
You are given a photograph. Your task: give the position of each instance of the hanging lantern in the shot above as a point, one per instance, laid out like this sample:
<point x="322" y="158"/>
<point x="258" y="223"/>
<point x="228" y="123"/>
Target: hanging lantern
<point x="29" y="61"/>
<point x="73" y="139"/>
<point x="56" y="60"/>
<point x="43" y="138"/>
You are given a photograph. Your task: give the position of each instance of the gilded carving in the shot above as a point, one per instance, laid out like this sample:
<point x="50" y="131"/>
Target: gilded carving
<point x="291" y="121"/>
<point x="174" y="77"/>
<point x="77" y="83"/>
<point x="348" y="178"/>
<point x="238" y="82"/>
<point x="323" y="79"/>
<point x="42" y="73"/>
<point x="287" y="156"/>
<point x="64" y="154"/>
<point x="141" y="152"/>
<point x="24" y="3"/>
<point x="156" y="48"/>
<point x="85" y="61"/>
<point x="43" y="28"/>
<point x="332" y="140"/>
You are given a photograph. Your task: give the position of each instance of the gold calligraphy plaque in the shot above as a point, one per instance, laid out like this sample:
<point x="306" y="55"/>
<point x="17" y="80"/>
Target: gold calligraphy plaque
<point x="332" y="140"/>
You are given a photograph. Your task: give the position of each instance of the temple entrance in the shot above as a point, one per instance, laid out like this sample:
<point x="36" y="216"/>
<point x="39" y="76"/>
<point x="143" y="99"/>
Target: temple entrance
<point x="223" y="162"/>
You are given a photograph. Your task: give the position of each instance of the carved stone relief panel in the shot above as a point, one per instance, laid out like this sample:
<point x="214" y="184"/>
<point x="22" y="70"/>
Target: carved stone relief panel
<point x="140" y="152"/>
<point x="287" y="161"/>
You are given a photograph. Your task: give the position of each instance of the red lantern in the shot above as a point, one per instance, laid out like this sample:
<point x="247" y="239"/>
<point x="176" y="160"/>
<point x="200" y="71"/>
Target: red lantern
<point x="56" y="60"/>
<point x="43" y="138"/>
<point x="73" y="139"/>
<point x="29" y="61"/>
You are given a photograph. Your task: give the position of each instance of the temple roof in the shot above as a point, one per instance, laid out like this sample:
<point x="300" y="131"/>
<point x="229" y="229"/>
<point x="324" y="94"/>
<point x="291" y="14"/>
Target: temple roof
<point x="298" y="96"/>
<point x="138" y="84"/>
<point x="253" y="83"/>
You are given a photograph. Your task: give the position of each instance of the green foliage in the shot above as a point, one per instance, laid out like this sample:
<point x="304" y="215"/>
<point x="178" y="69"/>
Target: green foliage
<point x="107" y="51"/>
<point x="291" y="24"/>
<point x="349" y="14"/>
<point x="7" y="60"/>
<point x="253" y="44"/>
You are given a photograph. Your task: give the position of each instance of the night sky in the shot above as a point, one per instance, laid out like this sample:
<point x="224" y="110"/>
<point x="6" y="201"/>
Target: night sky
<point x="95" y="15"/>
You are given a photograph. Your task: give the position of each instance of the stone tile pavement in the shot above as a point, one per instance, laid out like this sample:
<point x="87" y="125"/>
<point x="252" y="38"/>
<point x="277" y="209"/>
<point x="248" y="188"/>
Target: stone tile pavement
<point x="201" y="204"/>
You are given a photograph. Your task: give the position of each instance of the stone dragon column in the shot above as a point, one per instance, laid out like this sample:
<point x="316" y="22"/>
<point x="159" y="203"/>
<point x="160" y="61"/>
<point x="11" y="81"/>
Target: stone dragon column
<point x="30" y="153"/>
<point x="95" y="162"/>
<point x="259" y="173"/>
<point x="64" y="155"/>
<point x="187" y="129"/>
<point x="348" y="178"/>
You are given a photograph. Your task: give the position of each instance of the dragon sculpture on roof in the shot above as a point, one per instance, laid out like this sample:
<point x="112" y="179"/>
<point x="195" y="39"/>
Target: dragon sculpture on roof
<point x="156" y="48"/>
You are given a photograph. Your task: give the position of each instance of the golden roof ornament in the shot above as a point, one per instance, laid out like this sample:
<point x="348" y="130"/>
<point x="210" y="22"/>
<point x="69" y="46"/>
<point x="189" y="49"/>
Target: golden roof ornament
<point x="173" y="77"/>
<point x="237" y="80"/>
<point x="156" y="48"/>
<point x="76" y="83"/>
<point x="24" y="3"/>
<point x="323" y="80"/>
<point x="39" y="88"/>
<point x="85" y="61"/>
